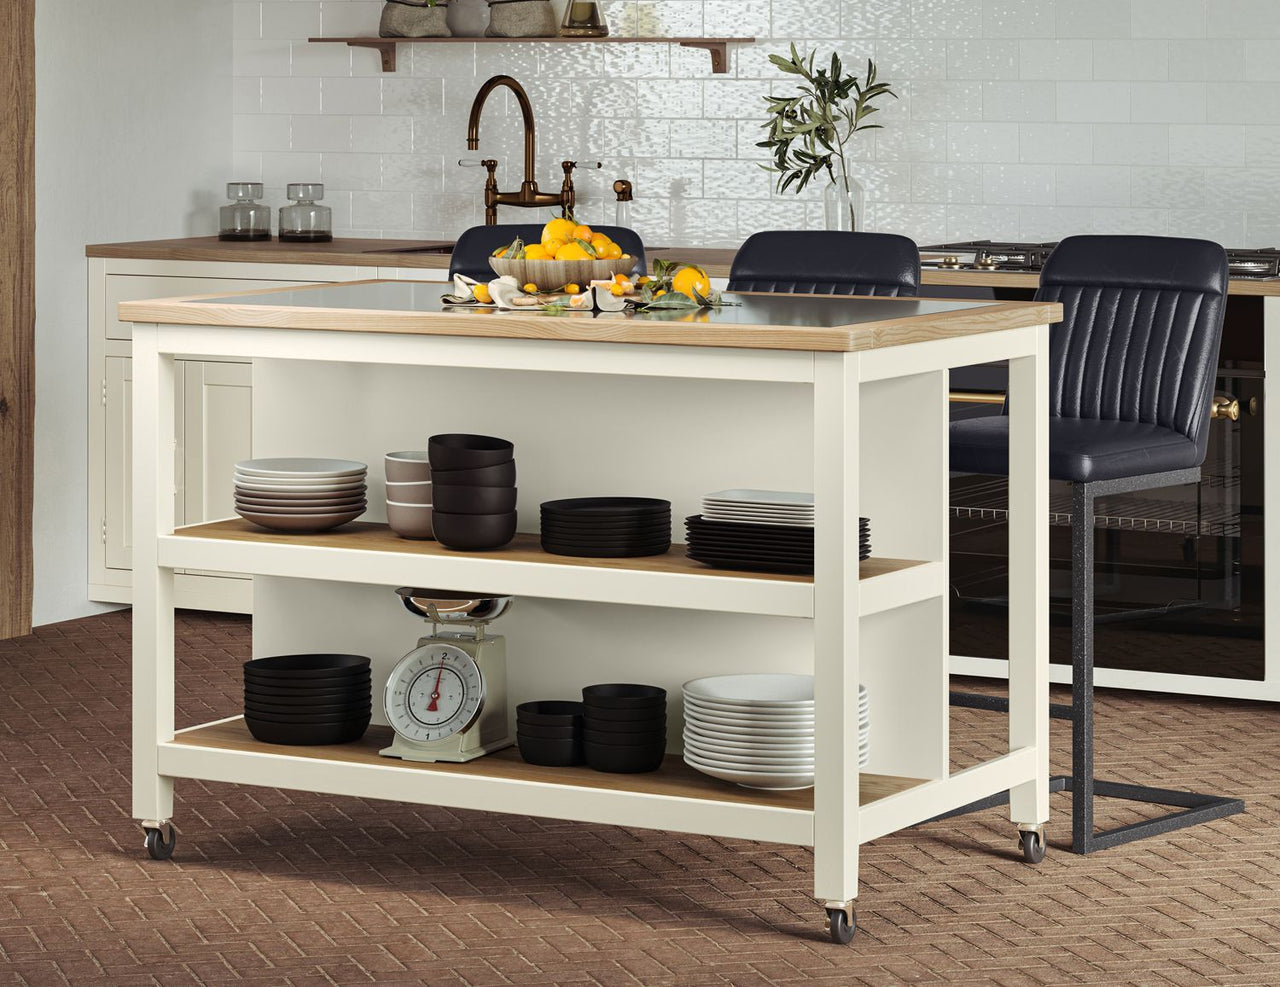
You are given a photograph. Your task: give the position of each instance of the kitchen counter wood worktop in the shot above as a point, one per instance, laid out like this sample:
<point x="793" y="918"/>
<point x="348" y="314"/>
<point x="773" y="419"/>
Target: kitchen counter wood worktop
<point x="433" y="255"/>
<point x="752" y="321"/>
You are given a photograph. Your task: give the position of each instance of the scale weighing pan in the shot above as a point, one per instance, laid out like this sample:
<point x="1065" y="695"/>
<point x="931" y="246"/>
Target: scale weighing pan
<point x="442" y="606"/>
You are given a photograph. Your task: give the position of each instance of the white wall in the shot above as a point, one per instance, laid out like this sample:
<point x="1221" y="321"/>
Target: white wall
<point x="133" y="140"/>
<point x="1018" y="118"/>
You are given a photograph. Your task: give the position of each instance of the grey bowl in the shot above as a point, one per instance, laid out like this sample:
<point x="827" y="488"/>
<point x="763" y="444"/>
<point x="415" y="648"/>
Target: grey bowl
<point x="410" y="520"/>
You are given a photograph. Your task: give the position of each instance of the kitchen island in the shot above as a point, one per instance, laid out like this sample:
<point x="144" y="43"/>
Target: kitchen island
<point x="847" y="397"/>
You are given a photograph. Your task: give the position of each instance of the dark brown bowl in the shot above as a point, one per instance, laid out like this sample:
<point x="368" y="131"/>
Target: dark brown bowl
<point x="623" y="727"/>
<point x="306" y="666"/>
<point x="474" y="500"/>
<point x="551" y="753"/>
<point x="646" y="739"/>
<point x="502" y="475"/>
<point x="326" y="711"/>
<point x="308" y="734"/>
<point x="624" y="760"/>
<point x="473" y="532"/>
<point x="550" y="712"/>
<point x="602" y="714"/>
<point x="462" y="451"/>
<point x="544" y="732"/>
<point x="618" y="695"/>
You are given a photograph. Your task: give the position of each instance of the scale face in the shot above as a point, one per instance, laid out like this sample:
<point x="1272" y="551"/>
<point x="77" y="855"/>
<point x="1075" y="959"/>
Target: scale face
<point x="447" y="698"/>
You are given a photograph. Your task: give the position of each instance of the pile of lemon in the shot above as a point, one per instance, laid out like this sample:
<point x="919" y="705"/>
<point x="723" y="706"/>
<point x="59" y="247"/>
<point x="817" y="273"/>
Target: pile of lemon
<point x="563" y="239"/>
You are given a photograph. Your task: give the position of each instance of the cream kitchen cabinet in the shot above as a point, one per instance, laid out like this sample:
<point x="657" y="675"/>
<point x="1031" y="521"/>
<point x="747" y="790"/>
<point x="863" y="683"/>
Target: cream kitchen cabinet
<point x="213" y="418"/>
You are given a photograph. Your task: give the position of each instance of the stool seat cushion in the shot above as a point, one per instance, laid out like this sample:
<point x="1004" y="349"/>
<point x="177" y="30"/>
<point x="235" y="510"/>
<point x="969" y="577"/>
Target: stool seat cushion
<point x="1080" y="449"/>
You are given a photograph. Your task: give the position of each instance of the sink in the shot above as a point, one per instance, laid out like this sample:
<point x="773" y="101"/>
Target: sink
<point x="437" y="247"/>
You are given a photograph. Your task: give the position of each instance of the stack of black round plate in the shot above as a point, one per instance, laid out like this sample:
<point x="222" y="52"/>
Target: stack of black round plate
<point x="308" y="699"/>
<point x="606" y="527"/>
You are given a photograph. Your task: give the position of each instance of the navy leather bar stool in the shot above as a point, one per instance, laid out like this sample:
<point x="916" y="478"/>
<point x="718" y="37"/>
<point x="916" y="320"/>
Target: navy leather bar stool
<point x="826" y="262"/>
<point x="1132" y="367"/>
<point x="474" y="247"/>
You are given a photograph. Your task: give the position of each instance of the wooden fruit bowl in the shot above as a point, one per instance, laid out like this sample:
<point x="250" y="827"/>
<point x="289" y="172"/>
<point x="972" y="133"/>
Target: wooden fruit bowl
<point x="550" y="275"/>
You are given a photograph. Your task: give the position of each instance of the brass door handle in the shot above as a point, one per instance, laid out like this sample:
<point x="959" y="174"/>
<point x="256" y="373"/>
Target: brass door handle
<point x="1225" y="407"/>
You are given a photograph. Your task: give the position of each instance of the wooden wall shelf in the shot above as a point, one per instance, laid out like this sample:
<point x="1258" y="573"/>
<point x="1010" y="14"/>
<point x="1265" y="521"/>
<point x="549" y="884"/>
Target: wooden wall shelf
<point x="718" y="47"/>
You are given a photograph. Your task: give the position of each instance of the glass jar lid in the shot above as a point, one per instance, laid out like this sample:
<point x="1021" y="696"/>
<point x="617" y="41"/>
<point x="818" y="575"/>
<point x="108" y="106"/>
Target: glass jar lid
<point x="304" y="191"/>
<point x="244" y="190"/>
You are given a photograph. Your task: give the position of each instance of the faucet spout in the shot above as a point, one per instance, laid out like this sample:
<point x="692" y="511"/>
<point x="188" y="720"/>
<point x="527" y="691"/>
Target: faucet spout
<point x="526" y="112"/>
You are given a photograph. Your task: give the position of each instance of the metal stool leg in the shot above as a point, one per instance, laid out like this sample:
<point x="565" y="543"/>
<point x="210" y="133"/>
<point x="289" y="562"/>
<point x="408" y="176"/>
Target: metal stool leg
<point x="1081" y="666"/>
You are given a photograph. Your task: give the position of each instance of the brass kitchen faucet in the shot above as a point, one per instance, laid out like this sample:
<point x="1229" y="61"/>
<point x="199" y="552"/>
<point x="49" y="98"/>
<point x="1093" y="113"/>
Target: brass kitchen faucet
<point x="528" y="196"/>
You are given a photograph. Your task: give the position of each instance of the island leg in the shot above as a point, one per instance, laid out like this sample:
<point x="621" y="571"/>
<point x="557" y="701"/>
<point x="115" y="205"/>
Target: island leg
<point x="153" y="655"/>
<point x="1029" y="586"/>
<point x="835" y="632"/>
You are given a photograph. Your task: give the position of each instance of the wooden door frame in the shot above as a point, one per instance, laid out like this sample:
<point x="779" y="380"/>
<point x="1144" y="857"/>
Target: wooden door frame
<point x="17" y="311"/>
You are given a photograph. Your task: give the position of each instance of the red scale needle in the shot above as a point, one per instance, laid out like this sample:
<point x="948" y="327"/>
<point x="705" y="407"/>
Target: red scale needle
<point x="435" y="693"/>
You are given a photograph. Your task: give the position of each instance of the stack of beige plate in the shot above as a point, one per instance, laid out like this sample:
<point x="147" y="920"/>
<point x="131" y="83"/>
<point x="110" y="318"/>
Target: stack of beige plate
<point x="758" y="730"/>
<point x="300" y="494"/>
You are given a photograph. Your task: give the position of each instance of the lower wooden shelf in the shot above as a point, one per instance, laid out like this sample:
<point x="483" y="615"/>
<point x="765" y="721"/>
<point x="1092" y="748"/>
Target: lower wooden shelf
<point x="675" y="797"/>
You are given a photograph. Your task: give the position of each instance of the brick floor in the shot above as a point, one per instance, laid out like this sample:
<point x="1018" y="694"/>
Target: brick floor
<point x="287" y="888"/>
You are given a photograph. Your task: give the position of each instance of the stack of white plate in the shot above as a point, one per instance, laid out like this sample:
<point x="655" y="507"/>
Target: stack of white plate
<point x="784" y="507"/>
<point x="758" y="730"/>
<point x="300" y="494"/>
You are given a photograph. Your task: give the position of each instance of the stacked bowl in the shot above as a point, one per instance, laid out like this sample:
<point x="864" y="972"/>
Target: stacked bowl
<point x="549" y="732"/>
<point x="624" y="727"/>
<point x="300" y="494"/>
<point x="606" y="527"/>
<point x="408" y="493"/>
<point x="474" y="489"/>
<point x="308" y="699"/>
<point x="758" y="730"/>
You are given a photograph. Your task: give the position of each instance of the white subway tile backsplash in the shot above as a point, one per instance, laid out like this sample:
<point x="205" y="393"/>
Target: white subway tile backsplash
<point x="1170" y="18"/>
<point x="1016" y="118"/>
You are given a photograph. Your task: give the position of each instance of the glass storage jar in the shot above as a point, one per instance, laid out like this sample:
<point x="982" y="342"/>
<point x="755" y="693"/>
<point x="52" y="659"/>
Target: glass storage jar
<point x="304" y="220"/>
<point x="583" y="19"/>
<point x="244" y="218"/>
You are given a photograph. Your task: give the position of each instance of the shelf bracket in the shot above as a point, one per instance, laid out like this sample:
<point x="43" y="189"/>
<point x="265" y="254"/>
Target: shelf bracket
<point x="386" y="48"/>
<point x="719" y="51"/>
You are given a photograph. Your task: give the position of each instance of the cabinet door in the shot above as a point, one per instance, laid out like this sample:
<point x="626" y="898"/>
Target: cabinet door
<point x="117" y="520"/>
<point x="217" y="432"/>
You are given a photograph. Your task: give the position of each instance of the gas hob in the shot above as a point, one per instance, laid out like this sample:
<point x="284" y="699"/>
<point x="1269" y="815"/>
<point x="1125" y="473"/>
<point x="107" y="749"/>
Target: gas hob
<point x="1254" y="264"/>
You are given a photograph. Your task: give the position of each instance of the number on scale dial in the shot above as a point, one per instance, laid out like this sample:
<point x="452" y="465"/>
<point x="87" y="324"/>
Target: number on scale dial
<point x="434" y="692"/>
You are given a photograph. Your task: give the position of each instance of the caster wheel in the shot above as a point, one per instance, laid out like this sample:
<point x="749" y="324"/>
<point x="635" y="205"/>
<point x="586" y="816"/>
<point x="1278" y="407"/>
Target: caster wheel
<point x="1032" y="846"/>
<point x="839" y="927"/>
<point x="158" y="846"/>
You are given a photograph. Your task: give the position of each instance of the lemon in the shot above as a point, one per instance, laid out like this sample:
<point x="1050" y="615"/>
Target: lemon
<point x="536" y="251"/>
<point x="619" y="288"/>
<point x="480" y="293"/>
<point x="612" y="251"/>
<point x="573" y="251"/>
<point x="572" y="289"/>
<point x="530" y="288"/>
<point x="552" y="246"/>
<point x="558" y="229"/>
<point x="582" y="232"/>
<point x="689" y="280"/>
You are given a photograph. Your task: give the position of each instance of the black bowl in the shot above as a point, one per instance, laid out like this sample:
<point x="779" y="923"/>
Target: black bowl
<point x="544" y="732"/>
<point x="552" y="753"/>
<point x="645" y="739"/>
<point x="356" y="707"/>
<point x="473" y="532"/>
<point x="307" y="734"/>
<point x="601" y="714"/>
<point x="624" y="760"/>
<point x="296" y="697"/>
<point x="618" y="695"/>
<point x="461" y="451"/>
<point x="502" y="475"/>
<point x="474" y="500"/>
<point x="320" y="718"/>
<point x="623" y="727"/>
<point x="306" y="666"/>
<point x="606" y="507"/>
<point x="550" y="712"/>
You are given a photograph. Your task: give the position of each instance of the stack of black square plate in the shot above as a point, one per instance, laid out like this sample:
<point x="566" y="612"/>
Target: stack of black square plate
<point x="760" y="547"/>
<point x="606" y="527"/>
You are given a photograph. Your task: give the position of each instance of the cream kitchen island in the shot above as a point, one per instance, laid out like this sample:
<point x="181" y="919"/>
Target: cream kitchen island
<point x="848" y="396"/>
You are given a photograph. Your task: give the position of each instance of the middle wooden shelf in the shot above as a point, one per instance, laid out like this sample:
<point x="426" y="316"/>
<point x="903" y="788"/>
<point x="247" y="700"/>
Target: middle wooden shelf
<point x="370" y="553"/>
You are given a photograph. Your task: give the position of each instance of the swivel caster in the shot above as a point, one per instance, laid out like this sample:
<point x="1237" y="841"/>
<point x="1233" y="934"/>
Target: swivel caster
<point x="1032" y="845"/>
<point x="841" y="925"/>
<point x="158" y="846"/>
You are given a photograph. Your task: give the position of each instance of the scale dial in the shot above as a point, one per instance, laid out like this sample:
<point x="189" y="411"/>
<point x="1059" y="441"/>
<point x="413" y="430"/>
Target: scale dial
<point x="434" y="692"/>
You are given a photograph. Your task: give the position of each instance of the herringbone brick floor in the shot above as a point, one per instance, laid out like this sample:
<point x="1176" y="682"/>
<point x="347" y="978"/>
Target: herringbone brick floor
<point x="286" y="888"/>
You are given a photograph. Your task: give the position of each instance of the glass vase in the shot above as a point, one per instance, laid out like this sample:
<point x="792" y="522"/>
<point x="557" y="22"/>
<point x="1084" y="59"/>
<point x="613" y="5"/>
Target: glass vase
<point x="844" y="201"/>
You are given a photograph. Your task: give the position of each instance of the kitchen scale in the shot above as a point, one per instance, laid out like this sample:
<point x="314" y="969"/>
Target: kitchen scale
<point x="447" y="698"/>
